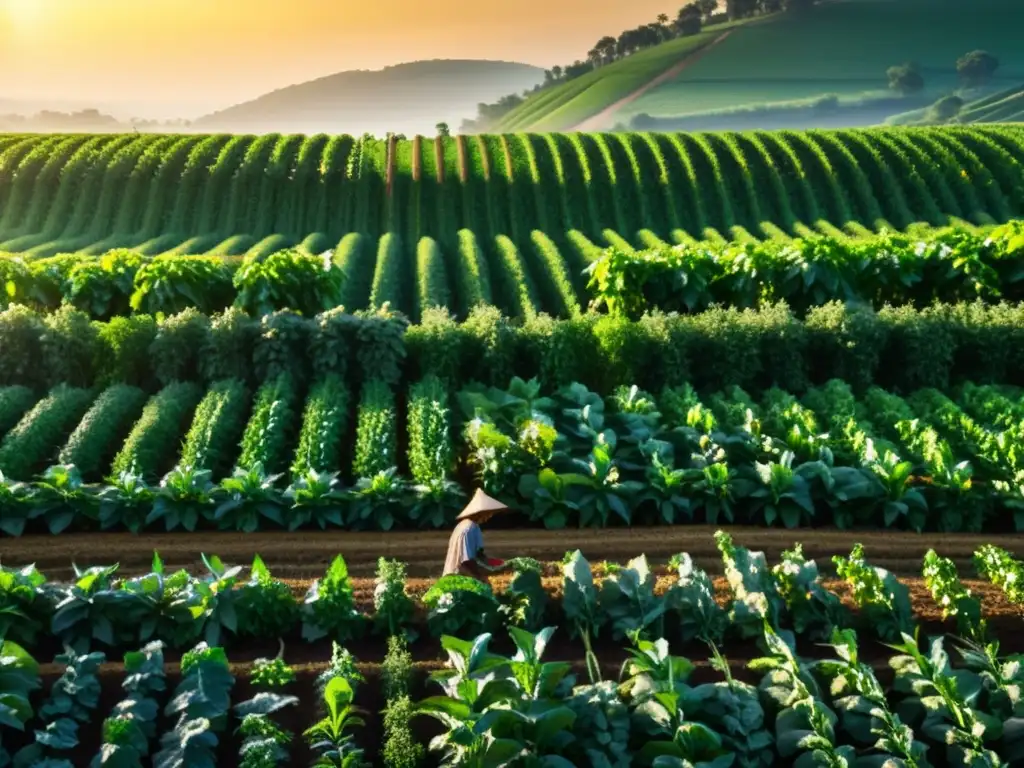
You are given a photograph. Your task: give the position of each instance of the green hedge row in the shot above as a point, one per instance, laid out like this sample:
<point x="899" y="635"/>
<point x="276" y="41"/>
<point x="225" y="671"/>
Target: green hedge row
<point x="899" y="348"/>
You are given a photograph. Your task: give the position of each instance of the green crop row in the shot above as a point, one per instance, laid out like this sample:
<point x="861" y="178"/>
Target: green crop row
<point x="124" y="281"/>
<point x="900" y="348"/>
<point x="537" y="273"/>
<point x="811" y="704"/>
<point x="947" y="265"/>
<point x="238" y="194"/>
<point x="563" y="456"/>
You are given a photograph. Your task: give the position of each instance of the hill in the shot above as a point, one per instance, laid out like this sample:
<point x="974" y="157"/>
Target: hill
<point x="406" y="98"/>
<point x="1003" y="106"/>
<point x="527" y="209"/>
<point x="839" y="48"/>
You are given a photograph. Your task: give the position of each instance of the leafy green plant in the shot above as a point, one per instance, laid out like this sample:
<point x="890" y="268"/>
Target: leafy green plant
<point x="103" y="287"/>
<point x="60" y="497"/>
<point x="329" y="609"/>
<point x="201" y="704"/>
<point x="19" y="678"/>
<point x="580" y="606"/>
<point x="393" y="608"/>
<point x="862" y="706"/>
<point x="460" y="605"/>
<point x="177" y="349"/>
<point x="330" y="738"/>
<point x="216" y="426"/>
<point x="494" y="707"/>
<point x="376" y="436"/>
<point x="812" y="609"/>
<point x="400" y="749"/>
<point x="288" y="280"/>
<point x="937" y="703"/>
<point x="691" y="601"/>
<point x="756" y="600"/>
<point x="185" y="497"/>
<point x="71" y="702"/>
<point x="885" y="602"/>
<point x="172" y="283"/>
<point x="316" y="497"/>
<point x="25" y="607"/>
<point x="247" y="498"/>
<point x="271" y="673"/>
<point x="131" y="726"/>
<point x="628" y="602"/>
<point x="266" y="607"/>
<point x="943" y="581"/>
<point x="125" y="501"/>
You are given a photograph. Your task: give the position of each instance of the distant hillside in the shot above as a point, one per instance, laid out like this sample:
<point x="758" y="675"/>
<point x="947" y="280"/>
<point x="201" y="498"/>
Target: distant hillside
<point x="406" y="98"/>
<point x="1005" y="106"/>
<point x="786" y="66"/>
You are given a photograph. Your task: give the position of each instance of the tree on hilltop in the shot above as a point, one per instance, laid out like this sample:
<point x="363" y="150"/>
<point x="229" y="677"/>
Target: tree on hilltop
<point x="977" y="67"/>
<point x="906" y="78"/>
<point x="443" y="130"/>
<point x="689" y="20"/>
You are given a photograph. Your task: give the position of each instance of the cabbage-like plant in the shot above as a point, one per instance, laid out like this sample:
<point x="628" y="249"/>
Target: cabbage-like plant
<point x="248" y="498"/>
<point x="316" y="497"/>
<point x="185" y="496"/>
<point x="125" y="501"/>
<point x="460" y="604"/>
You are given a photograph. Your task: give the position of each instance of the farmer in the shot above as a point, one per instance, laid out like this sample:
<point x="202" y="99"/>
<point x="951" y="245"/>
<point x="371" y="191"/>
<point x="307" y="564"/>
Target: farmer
<point x="466" y="546"/>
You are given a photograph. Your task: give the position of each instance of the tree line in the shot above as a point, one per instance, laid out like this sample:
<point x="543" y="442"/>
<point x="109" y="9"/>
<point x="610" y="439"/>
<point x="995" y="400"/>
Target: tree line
<point x="689" y="20"/>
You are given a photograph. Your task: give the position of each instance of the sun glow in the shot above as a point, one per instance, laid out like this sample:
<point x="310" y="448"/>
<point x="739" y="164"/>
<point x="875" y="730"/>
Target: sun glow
<point x="22" y="12"/>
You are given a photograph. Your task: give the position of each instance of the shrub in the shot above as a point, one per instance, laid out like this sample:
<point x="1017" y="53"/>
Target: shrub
<point x="21" y="332"/>
<point x="324" y="428"/>
<point x="69" y="345"/>
<point x="265" y="440"/>
<point x="14" y="402"/>
<point x="102" y="429"/>
<point x="376" y="432"/>
<point x="228" y="348"/>
<point x="123" y="350"/>
<point x="170" y="284"/>
<point x="152" y="446"/>
<point x="288" y="280"/>
<point x="30" y="446"/>
<point x="177" y="349"/>
<point x="431" y="458"/>
<point x="103" y="287"/>
<point x="218" y="423"/>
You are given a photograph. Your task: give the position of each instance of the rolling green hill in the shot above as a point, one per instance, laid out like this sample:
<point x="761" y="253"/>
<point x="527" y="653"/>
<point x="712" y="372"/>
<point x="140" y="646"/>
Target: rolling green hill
<point x="406" y="98"/>
<point x="1003" y="106"/>
<point x="841" y="48"/>
<point x="527" y="211"/>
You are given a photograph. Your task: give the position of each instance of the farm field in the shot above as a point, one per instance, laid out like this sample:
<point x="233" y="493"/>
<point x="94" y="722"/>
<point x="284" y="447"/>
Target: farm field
<point x="231" y="350"/>
<point x="791" y="57"/>
<point x="231" y="195"/>
<point x="548" y="594"/>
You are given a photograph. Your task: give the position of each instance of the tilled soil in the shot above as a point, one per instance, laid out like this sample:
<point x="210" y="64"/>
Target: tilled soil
<point x="307" y="554"/>
<point x="299" y="558"/>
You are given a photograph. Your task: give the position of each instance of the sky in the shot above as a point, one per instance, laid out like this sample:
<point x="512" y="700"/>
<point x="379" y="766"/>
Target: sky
<point x="184" y="58"/>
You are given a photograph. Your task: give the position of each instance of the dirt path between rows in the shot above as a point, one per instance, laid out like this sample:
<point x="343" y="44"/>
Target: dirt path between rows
<point x="305" y="555"/>
<point x="600" y="121"/>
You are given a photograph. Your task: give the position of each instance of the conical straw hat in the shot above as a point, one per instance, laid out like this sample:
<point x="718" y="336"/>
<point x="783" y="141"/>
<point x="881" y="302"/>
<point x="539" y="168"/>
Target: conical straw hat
<point x="481" y="502"/>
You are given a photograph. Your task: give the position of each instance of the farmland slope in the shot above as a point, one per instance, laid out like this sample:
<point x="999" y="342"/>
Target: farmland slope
<point x="790" y="57"/>
<point x="230" y="194"/>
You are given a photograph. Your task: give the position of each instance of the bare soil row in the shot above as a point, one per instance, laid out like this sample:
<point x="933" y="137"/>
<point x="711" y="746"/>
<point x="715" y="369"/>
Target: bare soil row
<point x="305" y="555"/>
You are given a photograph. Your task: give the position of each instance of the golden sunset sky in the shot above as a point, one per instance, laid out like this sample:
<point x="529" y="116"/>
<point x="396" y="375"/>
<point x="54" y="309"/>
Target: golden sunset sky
<point x="182" y="58"/>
